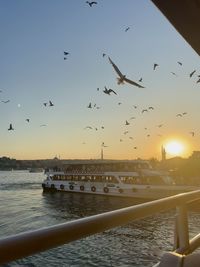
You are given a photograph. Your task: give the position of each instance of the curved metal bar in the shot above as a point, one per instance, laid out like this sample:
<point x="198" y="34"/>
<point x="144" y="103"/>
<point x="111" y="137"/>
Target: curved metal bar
<point x="28" y="243"/>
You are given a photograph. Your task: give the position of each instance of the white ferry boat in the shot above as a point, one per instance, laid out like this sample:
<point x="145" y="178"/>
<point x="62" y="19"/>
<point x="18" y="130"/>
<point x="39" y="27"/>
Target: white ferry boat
<point x="125" y="178"/>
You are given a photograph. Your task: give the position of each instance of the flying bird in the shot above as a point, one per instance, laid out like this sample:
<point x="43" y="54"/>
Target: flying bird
<point x="108" y="91"/>
<point x="91" y="3"/>
<point x="180" y="63"/>
<point x="5" y="102"/>
<point x="103" y="145"/>
<point x="192" y="133"/>
<point x="122" y="78"/>
<point x="179" y="115"/>
<point x="88" y="127"/>
<point x="198" y="80"/>
<point x="51" y="104"/>
<point x="152" y="108"/>
<point x="140" y="80"/>
<point x="66" y="53"/>
<point x="90" y="105"/>
<point x="144" y="110"/>
<point x="10" y="127"/>
<point x="127" y="123"/>
<point x="43" y="125"/>
<point x="45" y="104"/>
<point x="28" y="120"/>
<point x="173" y="73"/>
<point x="192" y="73"/>
<point x="128" y="28"/>
<point x="103" y="54"/>
<point x="155" y="66"/>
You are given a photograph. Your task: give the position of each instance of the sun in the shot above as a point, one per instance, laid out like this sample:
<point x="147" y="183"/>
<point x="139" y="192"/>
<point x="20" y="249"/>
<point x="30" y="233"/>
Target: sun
<point x="174" y="147"/>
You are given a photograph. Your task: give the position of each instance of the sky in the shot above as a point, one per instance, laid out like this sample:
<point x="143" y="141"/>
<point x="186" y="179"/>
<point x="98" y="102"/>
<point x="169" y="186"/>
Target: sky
<point x="34" y="36"/>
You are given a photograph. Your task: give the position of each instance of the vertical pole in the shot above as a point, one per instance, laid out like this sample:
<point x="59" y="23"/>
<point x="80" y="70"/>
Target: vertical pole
<point x="182" y="229"/>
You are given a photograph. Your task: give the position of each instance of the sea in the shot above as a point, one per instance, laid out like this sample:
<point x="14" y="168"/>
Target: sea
<point x="24" y="207"/>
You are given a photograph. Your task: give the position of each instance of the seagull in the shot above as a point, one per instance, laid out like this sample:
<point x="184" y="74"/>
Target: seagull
<point x="66" y="53"/>
<point x="5" y="102"/>
<point x="191" y="74"/>
<point x="151" y="108"/>
<point x="135" y="106"/>
<point x="51" y="104"/>
<point x="108" y="91"/>
<point x="91" y="3"/>
<point x="173" y="73"/>
<point x="27" y="120"/>
<point x="192" y="133"/>
<point x="10" y="127"/>
<point x="122" y="78"/>
<point x="180" y="63"/>
<point x="140" y="80"/>
<point x="198" y="80"/>
<point x="155" y="65"/>
<point x="127" y="123"/>
<point x="144" y="110"/>
<point x="184" y="113"/>
<point x="103" y="54"/>
<point x="45" y="104"/>
<point x="90" y="105"/>
<point x="88" y="127"/>
<point x="179" y="115"/>
<point x="128" y="28"/>
<point x="103" y="145"/>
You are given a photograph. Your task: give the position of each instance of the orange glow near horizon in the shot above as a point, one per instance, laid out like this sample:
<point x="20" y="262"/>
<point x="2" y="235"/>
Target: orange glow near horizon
<point x="176" y="147"/>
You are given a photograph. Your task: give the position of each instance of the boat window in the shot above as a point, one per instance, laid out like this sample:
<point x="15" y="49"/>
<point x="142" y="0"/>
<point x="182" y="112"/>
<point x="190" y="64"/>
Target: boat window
<point x="129" y="179"/>
<point x="154" y="180"/>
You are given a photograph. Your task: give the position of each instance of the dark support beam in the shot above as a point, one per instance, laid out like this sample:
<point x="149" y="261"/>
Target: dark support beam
<point x="184" y="15"/>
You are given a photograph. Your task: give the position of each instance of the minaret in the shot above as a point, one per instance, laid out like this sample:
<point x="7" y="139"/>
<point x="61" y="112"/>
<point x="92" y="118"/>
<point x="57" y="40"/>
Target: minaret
<point x="101" y="153"/>
<point x="163" y="153"/>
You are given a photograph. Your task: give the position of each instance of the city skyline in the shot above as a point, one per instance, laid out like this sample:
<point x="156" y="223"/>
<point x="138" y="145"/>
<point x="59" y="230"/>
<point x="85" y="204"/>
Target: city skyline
<point x="55" y="67"/>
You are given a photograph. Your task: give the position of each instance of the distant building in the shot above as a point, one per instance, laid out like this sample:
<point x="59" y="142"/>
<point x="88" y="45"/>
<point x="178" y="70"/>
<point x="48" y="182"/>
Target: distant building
<point x="195" y="155"/>
<point x="163" y="153"/>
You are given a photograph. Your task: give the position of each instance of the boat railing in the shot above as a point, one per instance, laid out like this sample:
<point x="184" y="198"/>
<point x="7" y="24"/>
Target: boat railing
<point x="28" y="243"/>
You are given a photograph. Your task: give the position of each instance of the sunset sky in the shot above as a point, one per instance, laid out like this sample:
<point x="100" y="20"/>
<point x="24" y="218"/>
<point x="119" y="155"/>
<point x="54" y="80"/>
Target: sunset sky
<point x="34" y="35"/>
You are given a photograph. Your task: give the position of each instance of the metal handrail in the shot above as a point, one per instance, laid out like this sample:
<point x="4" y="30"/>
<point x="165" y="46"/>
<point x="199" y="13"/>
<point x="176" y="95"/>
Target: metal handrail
<point x="29" y="243"/>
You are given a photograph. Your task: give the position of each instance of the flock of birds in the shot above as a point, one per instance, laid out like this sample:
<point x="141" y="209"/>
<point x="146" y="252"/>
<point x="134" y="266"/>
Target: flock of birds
<point x="121" y="79"/>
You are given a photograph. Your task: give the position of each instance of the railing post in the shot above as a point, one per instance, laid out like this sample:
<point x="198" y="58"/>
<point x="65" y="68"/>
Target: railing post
<point x="182" y="233"/>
